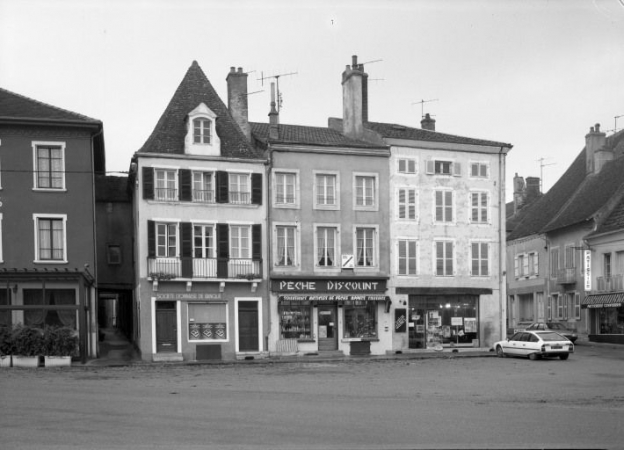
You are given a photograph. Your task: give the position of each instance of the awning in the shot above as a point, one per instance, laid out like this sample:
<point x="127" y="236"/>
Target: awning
<point x="610" y="300"/>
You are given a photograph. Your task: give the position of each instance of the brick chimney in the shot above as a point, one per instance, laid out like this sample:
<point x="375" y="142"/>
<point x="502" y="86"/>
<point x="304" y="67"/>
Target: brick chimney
<point x="237" y="99"/>
<point x="273" y="117"/>
<point x="428" y="123"/>
<point x="354" y="99"/>
<point x="532" y="190"/>
<point x="518" y="193"/>
<point x="594" y="142"/>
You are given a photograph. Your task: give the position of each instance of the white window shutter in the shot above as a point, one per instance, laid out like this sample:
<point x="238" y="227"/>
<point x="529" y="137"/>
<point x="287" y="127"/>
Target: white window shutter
<point x="516" y="268"/>
<point x="430" y="167"/>
<point x="456" y="169"/>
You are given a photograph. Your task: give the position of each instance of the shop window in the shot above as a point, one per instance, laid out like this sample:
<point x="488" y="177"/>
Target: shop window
<point x="50" y="317"/>
<point x="295" y="321"/>
<point x="611" y="320"/>
<point x="5" y="316"/>
<point x="360" y="320"/>
<point x="207" y="322"/>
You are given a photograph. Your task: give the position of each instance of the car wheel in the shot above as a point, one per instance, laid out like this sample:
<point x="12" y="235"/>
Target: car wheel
<point x="564" y="357"/>
<point x="534" y="356"/>
<point x="499" y="351"/>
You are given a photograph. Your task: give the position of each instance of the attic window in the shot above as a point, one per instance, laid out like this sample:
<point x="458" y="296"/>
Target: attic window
<point x="201" y="131"/>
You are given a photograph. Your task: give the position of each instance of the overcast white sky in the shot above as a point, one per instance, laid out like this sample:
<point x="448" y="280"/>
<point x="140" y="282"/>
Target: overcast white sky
<point x="534" y="73"/>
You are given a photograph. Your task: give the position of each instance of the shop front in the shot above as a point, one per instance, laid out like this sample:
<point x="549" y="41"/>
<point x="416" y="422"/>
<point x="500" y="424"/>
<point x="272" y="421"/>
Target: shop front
<point x="331" y="315"/>
<point x="606" y="317"/>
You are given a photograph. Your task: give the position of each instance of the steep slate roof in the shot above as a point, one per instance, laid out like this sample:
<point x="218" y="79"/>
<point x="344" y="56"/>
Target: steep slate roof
<point x="299" y="134"/>
<point x="168" y="135"/>
<point x="575" y="198"/>
<point x="396" y="131"/>
<point x="614" y="222"/>
<point x="18" y="107"/>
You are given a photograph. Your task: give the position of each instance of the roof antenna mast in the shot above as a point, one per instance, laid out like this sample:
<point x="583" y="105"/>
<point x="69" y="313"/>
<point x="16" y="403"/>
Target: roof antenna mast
<point x="542" y="165"/>
<point x="277" y="77"/>
<point x="422" y="106"/>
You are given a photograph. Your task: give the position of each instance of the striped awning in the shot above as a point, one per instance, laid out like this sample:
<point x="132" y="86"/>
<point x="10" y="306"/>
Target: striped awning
<point x="610" y="300"/>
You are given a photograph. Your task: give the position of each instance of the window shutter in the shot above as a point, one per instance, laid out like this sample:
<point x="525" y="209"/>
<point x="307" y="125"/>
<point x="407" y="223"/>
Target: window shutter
<point x="430" y="167"/>
<point x="148" y="183"/>
<point x="223" y="249"/>
<point x="151" y="239"/>
<point x="516" y="267"/>
<point x="222" y="187"/>
<point x="457" y="169"/>
<point x="256" y="242"/>
<point x="186" y="185"/>
<point x="186" y="236"/>
<point x="256" y="188"/>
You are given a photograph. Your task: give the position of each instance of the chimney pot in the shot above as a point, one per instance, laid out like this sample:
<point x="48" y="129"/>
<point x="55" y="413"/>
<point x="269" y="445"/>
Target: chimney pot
<point x="240" y="70"/>
<point x="232" y="69"/>
<point x="354" y="62"/>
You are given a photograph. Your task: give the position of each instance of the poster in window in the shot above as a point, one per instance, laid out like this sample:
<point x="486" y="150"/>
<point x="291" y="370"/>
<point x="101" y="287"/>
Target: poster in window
<point x="400" y="320"/>
<point x="470" y="324"/>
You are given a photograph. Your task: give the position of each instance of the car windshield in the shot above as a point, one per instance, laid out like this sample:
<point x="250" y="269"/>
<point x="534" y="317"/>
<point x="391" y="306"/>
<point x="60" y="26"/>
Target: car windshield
<point x="549" y="337"/>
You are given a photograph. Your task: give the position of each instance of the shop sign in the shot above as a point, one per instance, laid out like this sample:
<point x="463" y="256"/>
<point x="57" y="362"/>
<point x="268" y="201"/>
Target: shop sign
<point x="333" y="298"/>
<point x="587" y="270"/>
<point x="328" y="285"/>
<point x="605" y="305"/>
<point x="187" y="296"/>
<point x="400" y="320"/>
<point x="457" y="321"/>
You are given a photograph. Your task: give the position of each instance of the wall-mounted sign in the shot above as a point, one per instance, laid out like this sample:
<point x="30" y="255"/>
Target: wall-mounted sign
<point x="187" y="296"/>
<point x="327" y="285"/>
<point x="587" y="270"/>
<point x="400" y="320"/>
<point x="347" y="261"/>
<point x="333" y="298"/>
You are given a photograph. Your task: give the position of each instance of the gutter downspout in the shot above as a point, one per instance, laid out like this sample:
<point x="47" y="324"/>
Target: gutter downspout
<point x="269" y="258"/>
<point x="501" y="261"/>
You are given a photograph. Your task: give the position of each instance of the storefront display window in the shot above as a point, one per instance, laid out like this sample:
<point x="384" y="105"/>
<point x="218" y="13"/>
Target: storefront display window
<point x="360" y="320"/>
<point x="295" y="322"/>
<point x="443" y="321"/>
<point x="50" y="317"/>
<point x="207" y="321"/>
<point x="611" y="320"/>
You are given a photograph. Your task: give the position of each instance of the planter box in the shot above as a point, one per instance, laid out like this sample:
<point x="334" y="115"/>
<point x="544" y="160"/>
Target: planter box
<point x="25" y="361"/>
<point x="5" y="361"/>
<point x="57" y="361"/>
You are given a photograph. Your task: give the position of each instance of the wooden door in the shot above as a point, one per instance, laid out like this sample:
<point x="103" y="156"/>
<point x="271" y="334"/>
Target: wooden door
<point x="248" y="327"/>
<point x="327" y="328"/>
<point x="166" y="327"/>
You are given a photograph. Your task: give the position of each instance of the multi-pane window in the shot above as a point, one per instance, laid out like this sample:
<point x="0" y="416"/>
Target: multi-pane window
<point x="113" y="254"/>
<point x="407" y="203"/>
<point x="50" y="239"/>
<point x="286" y="248"/>
<point x="203" y="241"/>
<point x="326" y="246"/>
<point x="50" y="172"/>
<point x="444" y="258"/>
<point x="166" y="240"/>
<point x="479" y="207"/>
<point x="407" y="166"/>
<point x="442" y="167"/>
<point x="285" y="184"/>
<point x="365" y="247"/>
<point x="365" y="191"/>
<point x="201" y="131"/>
<point x="480" y="259"/>
<point x="239" y="188"/>
<point x="326" y="190"/>
<point x="203" y="187"/>
<point x="240" y="241"/>
<point x="444" y="206"/>
<point x="478" y="170"/>
<point x="407" y="257"/>
<point x="166" y="184"/>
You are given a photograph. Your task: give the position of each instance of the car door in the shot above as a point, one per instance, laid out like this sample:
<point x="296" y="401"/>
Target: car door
<point x="522" y="345"/>
<point x="511" y="346"/>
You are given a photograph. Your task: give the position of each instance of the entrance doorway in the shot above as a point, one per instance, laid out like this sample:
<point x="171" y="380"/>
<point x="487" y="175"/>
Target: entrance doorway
<point x="166" y="327"/>
<point x="327" y="330"/>
<point x="248" y="326"/>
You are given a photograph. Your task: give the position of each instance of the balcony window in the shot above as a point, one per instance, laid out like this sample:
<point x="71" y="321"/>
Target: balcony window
<point x="166" y="185"/>
<point x="203" y="187"/>
<point x="239" y="188"/>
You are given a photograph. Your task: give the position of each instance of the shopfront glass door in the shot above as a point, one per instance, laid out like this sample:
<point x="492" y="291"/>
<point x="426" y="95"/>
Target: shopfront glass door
<point x="327" y="328"/>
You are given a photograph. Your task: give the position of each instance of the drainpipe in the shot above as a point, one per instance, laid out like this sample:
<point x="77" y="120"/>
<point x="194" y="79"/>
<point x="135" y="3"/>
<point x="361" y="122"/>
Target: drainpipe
<point x="269" y="257"/>
<point x="501" y="259"/>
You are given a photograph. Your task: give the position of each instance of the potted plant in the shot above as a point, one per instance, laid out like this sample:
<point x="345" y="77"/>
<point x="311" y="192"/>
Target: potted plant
<point x="27" y="346"/>
<point x="6" y="346"/>
<point x="59" y="345"/>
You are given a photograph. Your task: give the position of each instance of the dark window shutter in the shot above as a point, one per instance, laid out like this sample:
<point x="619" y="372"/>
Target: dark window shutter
<point x="256" y="188"/>
<point x="186" y="236"/>
<point x="186" y="185"/>
<point x="151" y="239"/>
<point x="148" y="183"/>
<point x="222" y="187"/>
<point x="256" y="242"/>
<point x="223" y="249"/>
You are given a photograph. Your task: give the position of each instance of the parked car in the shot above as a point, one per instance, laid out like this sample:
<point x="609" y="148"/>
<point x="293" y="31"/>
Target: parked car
<point x="521" y="326"/>
<point x="534" y="345"/>
<point x="554" y="326"/>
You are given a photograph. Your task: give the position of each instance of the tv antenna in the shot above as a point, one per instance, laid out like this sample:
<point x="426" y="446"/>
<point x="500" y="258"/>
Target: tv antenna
<point x="616" y="118"/>
<point x="277" y="77"/>
<point x="542" y="165"/>
<point x="422" y="106"/>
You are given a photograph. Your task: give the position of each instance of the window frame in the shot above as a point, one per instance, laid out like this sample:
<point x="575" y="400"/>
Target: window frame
<point x="212" y="193"/>
<point x="405" y="208"/>
<point x="244" y="193"/>
<point x="170" y="194"/>
<point x="188" y="323"/>
<point x="480" y="259"/>
<point x="287" y="228"/>
<point x="316" y="191"/>
<point x="444" y="206"/>
<point x="277" y="173"/>
<point x="110" y="259"/>
<point x="167" y="246"/>
<point x="480" y="209"/>
<point x="406" y="162"/>
<point x="408" y="256"/>
<point x="374" y="198"/>
<point x="212" y="247"/>
<point x="49" y="144"/>
<point x="239" y="238"/>
<point x="337" y="262"/>
<point x="201" y="120"/>
<point x="375" y="246"/>
<point x="480" y="165"/>
<point x="52" y="217"/>
<point x="444" y="257"/>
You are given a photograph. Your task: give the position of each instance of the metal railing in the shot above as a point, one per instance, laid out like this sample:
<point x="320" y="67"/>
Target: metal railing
<point x="203" y="196"/>
<point x="610" y="284"/>
<point x="236" y="268"/>
<point x="165" y="194"/>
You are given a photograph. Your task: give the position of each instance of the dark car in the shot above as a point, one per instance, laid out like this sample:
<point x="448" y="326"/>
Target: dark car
<point x="554" y="326"/>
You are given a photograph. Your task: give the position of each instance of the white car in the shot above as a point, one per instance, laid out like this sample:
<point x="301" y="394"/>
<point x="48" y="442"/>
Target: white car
<point x="535" y="344"/>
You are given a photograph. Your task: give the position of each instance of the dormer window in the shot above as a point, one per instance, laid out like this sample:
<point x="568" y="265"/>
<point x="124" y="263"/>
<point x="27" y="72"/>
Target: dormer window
<point x="201" y="136"/>
<point x="202" y="131"/>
